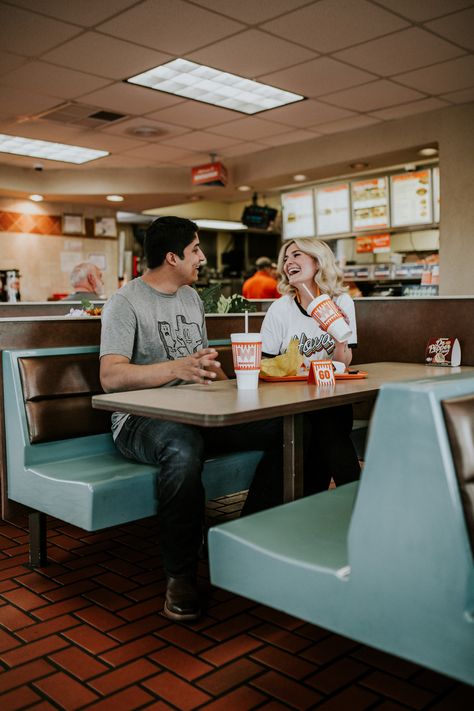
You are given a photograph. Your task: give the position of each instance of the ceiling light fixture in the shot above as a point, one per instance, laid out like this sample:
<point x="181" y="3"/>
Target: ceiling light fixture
<point x="211" y="86"/>
<point x="359" y="165"/>
<point x="115" y="198"/>
<point x="299" y="177"/>
<point x="244" y="188"/>
<point x="36" y="198"/>
<point x="19" y="146"/>
<point x="220" y="225"/>
<point x="428" y="152"/>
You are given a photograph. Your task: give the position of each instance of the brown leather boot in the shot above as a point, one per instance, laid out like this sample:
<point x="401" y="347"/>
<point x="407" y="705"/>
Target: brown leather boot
<point x="182" y="599"/>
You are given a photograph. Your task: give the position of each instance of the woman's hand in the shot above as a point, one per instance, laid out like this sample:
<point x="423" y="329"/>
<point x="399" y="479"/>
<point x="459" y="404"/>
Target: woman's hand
<point x="343" y="353"/>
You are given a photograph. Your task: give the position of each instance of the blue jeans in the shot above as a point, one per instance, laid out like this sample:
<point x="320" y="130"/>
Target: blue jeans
<point x="179" y="452"/>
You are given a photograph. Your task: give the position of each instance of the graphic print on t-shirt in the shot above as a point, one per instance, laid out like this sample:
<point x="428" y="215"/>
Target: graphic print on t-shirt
<point x="180" y="340"/>
<point x="308" y="346"/>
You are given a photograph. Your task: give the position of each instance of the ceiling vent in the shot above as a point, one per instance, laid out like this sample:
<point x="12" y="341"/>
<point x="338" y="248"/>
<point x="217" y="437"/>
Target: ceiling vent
<point x="81" y="115"/>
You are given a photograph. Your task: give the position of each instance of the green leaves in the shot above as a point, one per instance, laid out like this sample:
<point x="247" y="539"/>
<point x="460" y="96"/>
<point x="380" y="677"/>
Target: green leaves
<point x="215" y="303"/>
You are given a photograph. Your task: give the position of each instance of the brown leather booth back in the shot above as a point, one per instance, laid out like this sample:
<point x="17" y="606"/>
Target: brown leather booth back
<point x="57" y="392"/>
<point x="459" y="417"/>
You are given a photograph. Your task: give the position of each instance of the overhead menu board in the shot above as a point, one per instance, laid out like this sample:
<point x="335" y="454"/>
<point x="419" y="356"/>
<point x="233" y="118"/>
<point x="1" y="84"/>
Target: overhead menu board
<point x="333" y="209"/>
<point x="298" y="214"/>
<point x="370" y="204"/>
<point x="411" y="198"/>
<point x="435" y="175"/>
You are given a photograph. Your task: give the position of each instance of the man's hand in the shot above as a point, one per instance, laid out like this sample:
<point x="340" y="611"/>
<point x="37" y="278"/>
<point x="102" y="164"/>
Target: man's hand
<point x="200" y="367"/>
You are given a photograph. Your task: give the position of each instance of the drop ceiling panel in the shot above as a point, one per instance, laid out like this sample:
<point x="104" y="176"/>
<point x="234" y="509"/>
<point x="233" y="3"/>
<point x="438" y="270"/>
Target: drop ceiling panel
<point x="129" y="99"/>
<point x="106" y="142"/>
<point x="251" y="11"/>
<point x="126" y="127"/>
<point x="27" y="33"/>
<point x="284" y="139"/>
<point x="320" y="76"/>
<point x="105" y="56"/>
<point x="400" y="52"/>
<point x="248" y="129"/>
<point x="348" y="124"/>
<point x="441" y="78"/>
<point x="414" y="107"/>
<point x="158" y="153"/>
<point x="375" y="95"/>
<point x="251" y="53"/>
<point x="56" y="81"/>
<point x="9" y="62"/>
<point x="241" y="149"/>
<point x="306" y="113"/>
<point x="82" y="13"/>
<point x="460" y="97"/>
<point x="193" y="114"/>
<point x="200" y="141"/>
<point x="423" y="10"/>
<point x="21" y="103"/>
<point x="329" y="25"/>
<point x="458" y="28"/>
<point x="170" y="26"/>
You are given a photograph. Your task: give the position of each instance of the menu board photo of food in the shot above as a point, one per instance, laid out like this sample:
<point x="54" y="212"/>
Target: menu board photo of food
<point x="370" y="204"/>
<point x="333" y="210"/>
<point x="298" y="214"/>
<point x="411" y="198"/>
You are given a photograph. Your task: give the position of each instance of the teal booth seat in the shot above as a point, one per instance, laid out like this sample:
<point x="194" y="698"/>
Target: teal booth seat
<point x="83" y="480"/>
<point x="388" y="561"/>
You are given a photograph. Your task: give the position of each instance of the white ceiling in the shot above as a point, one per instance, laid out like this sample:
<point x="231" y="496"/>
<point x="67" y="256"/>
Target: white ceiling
<point x="357" y="62"/>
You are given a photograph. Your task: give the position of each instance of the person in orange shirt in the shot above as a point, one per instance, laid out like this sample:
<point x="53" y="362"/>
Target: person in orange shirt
<point x="262" y="285"/>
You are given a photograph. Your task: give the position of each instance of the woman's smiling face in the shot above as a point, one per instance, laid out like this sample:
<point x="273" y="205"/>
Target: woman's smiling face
<point x="298" y="266"/>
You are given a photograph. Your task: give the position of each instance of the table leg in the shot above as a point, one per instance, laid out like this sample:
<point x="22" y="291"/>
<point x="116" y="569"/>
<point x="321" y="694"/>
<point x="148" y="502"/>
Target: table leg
<point x="292" y="457"/>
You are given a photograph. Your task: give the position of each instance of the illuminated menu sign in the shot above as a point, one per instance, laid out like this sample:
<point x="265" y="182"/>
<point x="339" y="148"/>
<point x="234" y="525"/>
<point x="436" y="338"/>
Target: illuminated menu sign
<point x="298" y="214"/>
<point x="411" y="198"/>
<point x="436" y="193"/>
<point x="333" y="210"/>
<point x="370" y="204"/>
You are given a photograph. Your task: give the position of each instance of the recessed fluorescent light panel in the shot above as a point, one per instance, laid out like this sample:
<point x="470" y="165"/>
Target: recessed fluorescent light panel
<point x="48" y="150"/>
<point x="196" y="81"/>
<point x="219" y="225"/>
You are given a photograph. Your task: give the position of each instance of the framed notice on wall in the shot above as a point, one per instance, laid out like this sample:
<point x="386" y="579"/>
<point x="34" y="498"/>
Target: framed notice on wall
<point x="105" y="227"/>
<point x="72" y="224"/>
<point x="411" y="198"/>
<point x="298" y="214"/>
<point x="370" y="204"/>
<point x="333" y="210"/>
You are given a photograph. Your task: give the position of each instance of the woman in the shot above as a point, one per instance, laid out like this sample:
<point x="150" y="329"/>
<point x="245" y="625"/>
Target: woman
<point x="308" y="268"/>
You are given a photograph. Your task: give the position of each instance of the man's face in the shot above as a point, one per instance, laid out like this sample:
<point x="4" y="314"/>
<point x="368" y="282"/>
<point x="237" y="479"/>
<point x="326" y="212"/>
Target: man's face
<point x="99" y="281"/>
<point x="189" y="265"/>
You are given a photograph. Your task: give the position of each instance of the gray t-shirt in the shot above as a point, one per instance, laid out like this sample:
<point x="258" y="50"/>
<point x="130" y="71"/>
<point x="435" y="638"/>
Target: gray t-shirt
<point x="147" y="326"/>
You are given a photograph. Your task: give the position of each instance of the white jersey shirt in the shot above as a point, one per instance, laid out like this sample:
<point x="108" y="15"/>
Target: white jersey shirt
<point x="285" y="320"/>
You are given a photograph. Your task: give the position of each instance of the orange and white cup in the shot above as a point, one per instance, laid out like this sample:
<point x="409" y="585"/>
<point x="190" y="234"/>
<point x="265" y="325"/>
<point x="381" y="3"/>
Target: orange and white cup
<point x="247" y="354"/>
<point x="330" y="319"/>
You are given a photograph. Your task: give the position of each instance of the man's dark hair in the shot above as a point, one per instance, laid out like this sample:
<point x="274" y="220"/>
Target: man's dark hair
<point x="167" y="234"/>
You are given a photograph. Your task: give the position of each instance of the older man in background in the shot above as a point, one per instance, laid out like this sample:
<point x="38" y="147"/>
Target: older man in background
<point x="87" y="282"/>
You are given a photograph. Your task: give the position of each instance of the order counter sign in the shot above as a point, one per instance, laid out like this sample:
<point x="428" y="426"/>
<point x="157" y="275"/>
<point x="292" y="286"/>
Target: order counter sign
<point x="322" y="373"/>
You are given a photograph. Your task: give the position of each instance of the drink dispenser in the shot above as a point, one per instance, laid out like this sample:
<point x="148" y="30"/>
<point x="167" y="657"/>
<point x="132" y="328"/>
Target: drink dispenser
<point x="10" y="285"/>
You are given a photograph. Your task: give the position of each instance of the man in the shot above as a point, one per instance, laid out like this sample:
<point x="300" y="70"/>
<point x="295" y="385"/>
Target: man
<point x="262" y="285"/>
<point x="87" y="282"/>
<point x="154" y="335"/>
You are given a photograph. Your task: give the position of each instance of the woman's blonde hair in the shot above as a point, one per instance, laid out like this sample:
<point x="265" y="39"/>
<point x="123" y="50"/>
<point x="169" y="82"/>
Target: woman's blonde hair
<point x="329" y="276"/>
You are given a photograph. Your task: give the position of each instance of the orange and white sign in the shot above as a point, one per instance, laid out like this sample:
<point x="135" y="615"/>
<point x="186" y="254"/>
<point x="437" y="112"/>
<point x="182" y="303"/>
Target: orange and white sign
<point x="247" y="356"/>
<point x="380" y="243"/>
<point x="322" y="373"/>
<point x="209" y="174"/>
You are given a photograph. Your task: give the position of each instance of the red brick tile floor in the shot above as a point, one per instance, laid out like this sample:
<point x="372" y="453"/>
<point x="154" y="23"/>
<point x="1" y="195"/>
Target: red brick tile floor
<point x="85" y="632"/>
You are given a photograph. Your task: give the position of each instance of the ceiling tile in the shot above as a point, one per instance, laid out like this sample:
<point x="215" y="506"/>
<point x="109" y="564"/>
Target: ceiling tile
<point x="105" y="56"/>
<point x="458" y="28"/>
<point x="46" y="131"/>
<point x="200" y="141"/>
<point x="9" y="62"/>
<point x="125" y="128"/>
<point x="170" y="26"/>
<point x="123" y="160"/>
<point x="286" y="138"/>
<point x="23" y="103"/>
<point x="56" y="81"/>
<point x="400" y="52"/>
<point x="348" y="124"/>
<point x="422" y="10"/>
<point x="248" y="129"/>
<point x="31" y="34"/>
<point x="306" y="113"/>
<point x="375" y="95"/>
<point x="193" y="159"/>
<point x="193" y="114"/>
<point x="460" y="97"/>
<point x="441" y="78"/>
<point x="158" y="152"/>
<point x="251" y="53"/>
<point x="250" y="11"/>
<point x="82" y="13"/>
<point x="317" y="77"/>
<point x="241" y="149"/>
<point x="414" y="107"/>
<point x="329" y="25"/>
<point x="130" y="99"/>
<point x="105" y="142"/>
